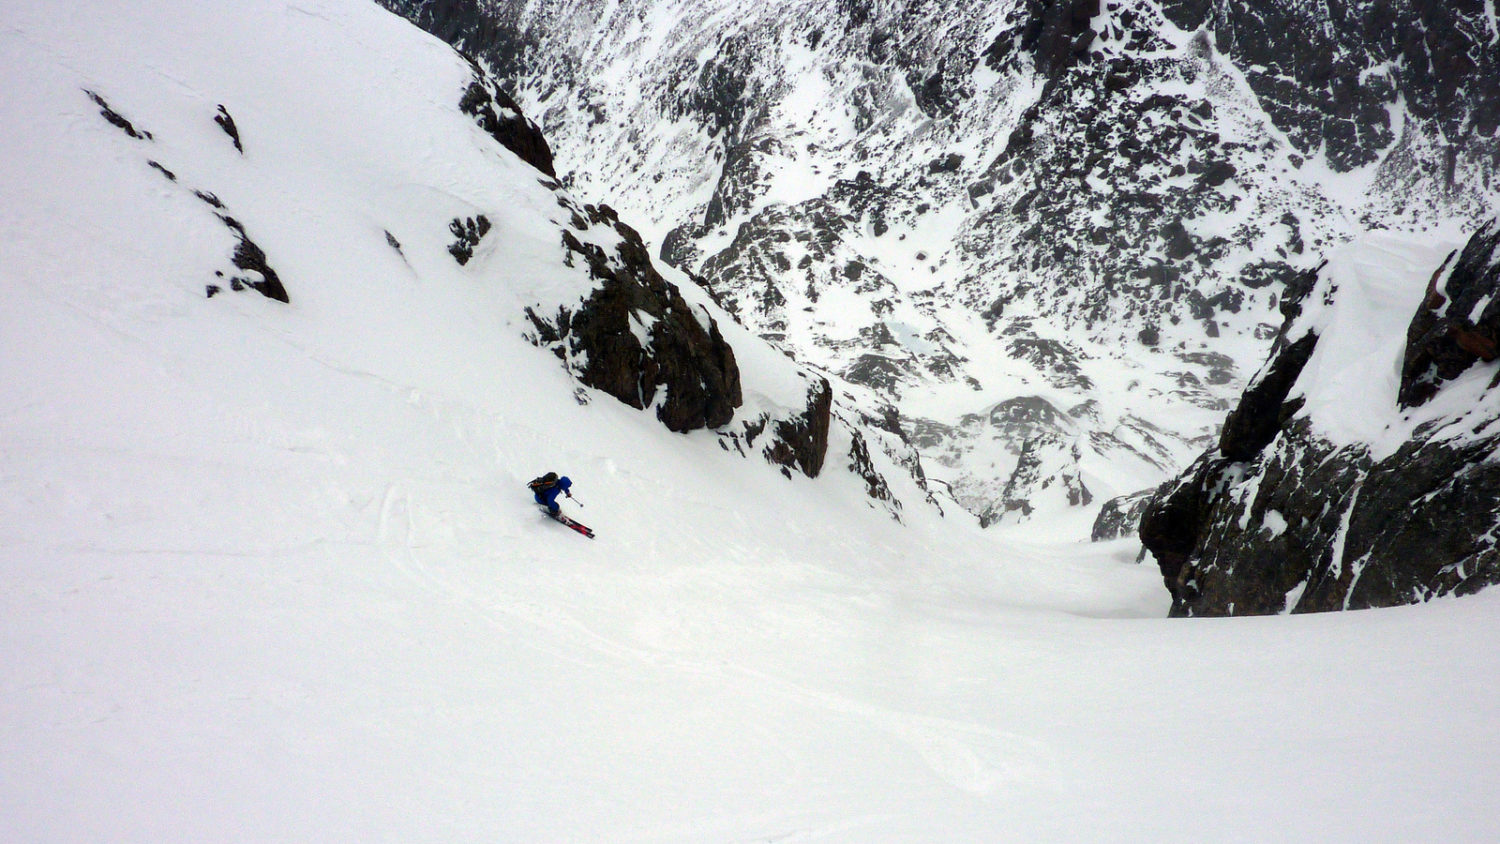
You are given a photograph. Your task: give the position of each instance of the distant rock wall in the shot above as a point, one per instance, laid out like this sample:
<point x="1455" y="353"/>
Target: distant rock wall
<point x="1279" y="518"/>
<point x="1326" y="72"/>
<point x="1120" y="516"/>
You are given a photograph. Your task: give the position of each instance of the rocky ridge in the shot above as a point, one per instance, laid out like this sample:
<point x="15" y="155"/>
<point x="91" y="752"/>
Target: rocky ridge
<point x="1359" y="469"/>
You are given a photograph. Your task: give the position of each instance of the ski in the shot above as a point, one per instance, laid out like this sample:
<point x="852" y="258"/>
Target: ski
<point x="578" y="526"/>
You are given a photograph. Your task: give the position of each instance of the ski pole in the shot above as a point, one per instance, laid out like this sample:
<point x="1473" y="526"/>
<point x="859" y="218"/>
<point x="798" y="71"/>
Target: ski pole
<point x="574" y="500"/>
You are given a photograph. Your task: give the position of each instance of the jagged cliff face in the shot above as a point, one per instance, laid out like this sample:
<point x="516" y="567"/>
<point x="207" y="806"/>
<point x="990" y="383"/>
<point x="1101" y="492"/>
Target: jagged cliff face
<point x="1360" y="469"/>
<point x="1088" y="210"/>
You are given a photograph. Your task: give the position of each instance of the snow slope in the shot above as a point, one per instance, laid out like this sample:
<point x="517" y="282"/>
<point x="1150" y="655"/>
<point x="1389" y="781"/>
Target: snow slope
<point x="267" y="571"/>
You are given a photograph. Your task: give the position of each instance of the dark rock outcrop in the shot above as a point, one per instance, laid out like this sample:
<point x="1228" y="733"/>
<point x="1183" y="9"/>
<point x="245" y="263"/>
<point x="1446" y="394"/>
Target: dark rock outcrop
<point x="226" y="122"/>
<point x="796" y="441"/>
<point x="497" y="114"/>
<point x="115" y="119"/>
<point x="255" y="272"/>
<point x="467" y="232"/>
<point x="802" y="441"/>
<point x="250" y="259"/>
<point x="861" y="465"/>
<point x="635" y="334"/>
<point x="1264" y="408"/>
<point x="1282" y="518"/>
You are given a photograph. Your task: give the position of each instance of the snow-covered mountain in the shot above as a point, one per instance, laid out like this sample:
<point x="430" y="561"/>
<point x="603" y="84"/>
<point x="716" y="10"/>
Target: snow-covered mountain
<point x="1052" y="233"/>
<point x="268" y="570"/>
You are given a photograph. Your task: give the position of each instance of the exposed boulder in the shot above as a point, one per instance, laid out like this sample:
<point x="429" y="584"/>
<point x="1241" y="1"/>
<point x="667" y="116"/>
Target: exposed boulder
<point x="114" y="118"/>
<point x="467" y="232"/>
<point x="250" y="259"/>
<point x="226" y="122"/>
<point x="1326" y="492"/>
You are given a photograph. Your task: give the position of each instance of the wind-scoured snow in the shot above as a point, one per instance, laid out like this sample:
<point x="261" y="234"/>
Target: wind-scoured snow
<point x="268" y="570"/>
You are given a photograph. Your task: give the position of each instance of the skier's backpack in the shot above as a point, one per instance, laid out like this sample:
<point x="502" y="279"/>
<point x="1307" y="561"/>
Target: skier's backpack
<point x="544" y="483"/>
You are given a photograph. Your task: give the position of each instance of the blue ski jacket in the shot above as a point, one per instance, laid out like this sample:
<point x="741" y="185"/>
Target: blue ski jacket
<point x="548" y="498"/>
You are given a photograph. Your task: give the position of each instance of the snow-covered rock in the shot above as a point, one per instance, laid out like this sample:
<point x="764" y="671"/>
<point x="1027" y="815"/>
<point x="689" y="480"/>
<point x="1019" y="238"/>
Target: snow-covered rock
<point x="1360" y="468"/>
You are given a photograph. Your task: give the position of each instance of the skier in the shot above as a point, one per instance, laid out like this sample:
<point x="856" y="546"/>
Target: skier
<point x="548" y="487"/>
